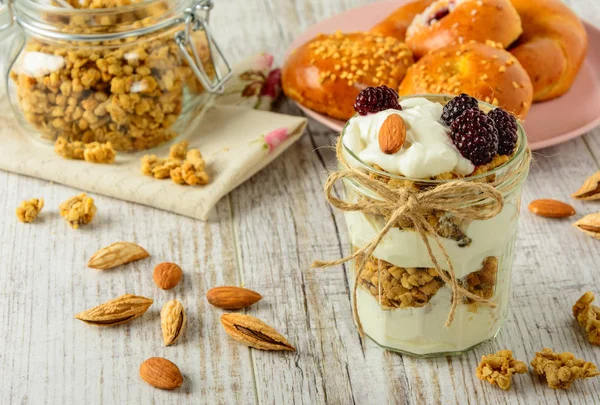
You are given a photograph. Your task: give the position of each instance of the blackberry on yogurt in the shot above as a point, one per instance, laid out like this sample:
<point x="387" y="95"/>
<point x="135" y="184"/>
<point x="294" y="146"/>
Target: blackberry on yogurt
<point x="375" y="99"/>
<point x="475" y="136"/>
<point x="506" y="124"/>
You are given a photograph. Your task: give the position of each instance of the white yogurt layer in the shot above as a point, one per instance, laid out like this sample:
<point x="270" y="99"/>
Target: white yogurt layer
<point x="404" y="248"/>
<point x="427" y="151"/>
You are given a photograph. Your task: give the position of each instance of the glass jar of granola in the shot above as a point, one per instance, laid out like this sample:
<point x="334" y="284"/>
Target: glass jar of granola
<point x="432" y="231"/>
<point x="133" y="73"/>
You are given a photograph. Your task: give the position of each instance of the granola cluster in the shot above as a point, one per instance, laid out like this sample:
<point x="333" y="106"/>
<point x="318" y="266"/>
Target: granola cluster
<point x="94" y="152"/>
<point x="499" y="368"/>
<point x="28" y="211"/>
<point x="127" y="92"/>
<point x="399" y="287"/>
<point x="561" y="369"/>
<point x="78" y="210"/>
<point x="483" y="281"/>
<point x="183" y="166"/>
<point x="588" y="316"/>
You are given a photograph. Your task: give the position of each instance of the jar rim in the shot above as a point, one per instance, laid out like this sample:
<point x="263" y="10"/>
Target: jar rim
<point x="442" y="99"/>
<point x="33" y="16"/>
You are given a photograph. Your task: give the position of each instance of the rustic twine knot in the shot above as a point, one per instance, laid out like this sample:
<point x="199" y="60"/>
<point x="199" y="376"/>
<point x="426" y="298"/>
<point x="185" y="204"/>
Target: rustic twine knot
<point x="465" y="199"/>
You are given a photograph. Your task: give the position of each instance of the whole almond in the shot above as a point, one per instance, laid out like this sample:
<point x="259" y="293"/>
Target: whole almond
<point x="116" y="311"/>
<point x="172" y="321"/>
<point x="161" y="373"/>
<point x="167" y="275"/>
<point x="590" y="190"/>
<point x="231" y="297"/>
<point x="253" y="332"/>
<point x="117" y="254"/>
<point x="551" y="208"/>
<point x="392" y="134"/>
<point x="590" y="224"/>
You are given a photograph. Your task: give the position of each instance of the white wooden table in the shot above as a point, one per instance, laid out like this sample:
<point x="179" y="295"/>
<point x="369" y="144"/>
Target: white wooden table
<point x="264" y="235"/>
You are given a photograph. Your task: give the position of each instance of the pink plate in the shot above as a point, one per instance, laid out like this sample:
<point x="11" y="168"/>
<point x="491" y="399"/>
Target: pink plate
<point x="548" y="123"/>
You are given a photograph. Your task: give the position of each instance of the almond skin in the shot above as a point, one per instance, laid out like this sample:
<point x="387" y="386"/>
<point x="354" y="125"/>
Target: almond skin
<point x="161" y="373"/>
<point x="551" y="208"/>
<point x="230" y="297"/>
<point x="167" y="275"/>
<point x="392" y="134"/>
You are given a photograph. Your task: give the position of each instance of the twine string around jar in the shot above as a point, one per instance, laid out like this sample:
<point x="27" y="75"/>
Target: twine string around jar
<point x="464" y="199"/>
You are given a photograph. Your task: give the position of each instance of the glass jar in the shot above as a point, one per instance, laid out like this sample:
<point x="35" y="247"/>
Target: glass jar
<point x="401" y="300"/>
<point x="136" y="74"/>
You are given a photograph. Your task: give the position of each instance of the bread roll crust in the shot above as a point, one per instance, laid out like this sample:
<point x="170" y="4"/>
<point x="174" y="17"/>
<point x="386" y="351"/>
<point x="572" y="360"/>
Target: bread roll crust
<point x="327" y="73"/>
<point x="484" y="71"/>
<point x="552" y="48"/>
<point x="479" y="20"/>
<point x="396" y="24"/>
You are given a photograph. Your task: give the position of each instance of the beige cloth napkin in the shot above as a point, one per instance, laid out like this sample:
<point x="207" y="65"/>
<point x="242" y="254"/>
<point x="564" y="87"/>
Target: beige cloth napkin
<point x="236" y="141"/>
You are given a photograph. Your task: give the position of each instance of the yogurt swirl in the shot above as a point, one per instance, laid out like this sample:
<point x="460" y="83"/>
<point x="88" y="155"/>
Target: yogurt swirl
<point x="427" y="152"/>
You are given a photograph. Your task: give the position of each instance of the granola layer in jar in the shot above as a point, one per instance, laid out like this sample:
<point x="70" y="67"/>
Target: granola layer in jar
<point x="402" y="300"/>
<point x="119" y="71"/>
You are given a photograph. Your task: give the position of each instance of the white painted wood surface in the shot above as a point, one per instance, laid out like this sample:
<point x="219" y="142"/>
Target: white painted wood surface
<point x="264" y="235"/>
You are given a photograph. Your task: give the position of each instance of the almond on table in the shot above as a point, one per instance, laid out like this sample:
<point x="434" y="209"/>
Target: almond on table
<point x="167" y="275"/>
<point x="172" y="321"/>
<point x="28" y="211"/>
<point x="551" y="208"/>
<point x="231" y="297"/>
<point x="590" y="224"/>
<point x="116" y="311"/>
<point x="117" y="254"/>
<point x="161" y="373"/>
<point x="590" y="190"/>
<point x="253" y="332"/>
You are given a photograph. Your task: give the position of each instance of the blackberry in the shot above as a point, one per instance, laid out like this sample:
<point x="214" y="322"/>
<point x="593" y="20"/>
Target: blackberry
<point x="475" y="136"/>
<point x="506" y="125"/>
<point x="456" y="106"/>
<point x="375" y="99"/>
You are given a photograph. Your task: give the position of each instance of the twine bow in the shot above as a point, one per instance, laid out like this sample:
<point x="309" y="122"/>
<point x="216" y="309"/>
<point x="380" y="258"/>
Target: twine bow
<point x="463" y="199"/>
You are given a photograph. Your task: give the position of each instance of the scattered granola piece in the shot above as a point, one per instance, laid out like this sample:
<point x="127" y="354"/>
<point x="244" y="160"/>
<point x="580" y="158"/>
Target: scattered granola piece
<point x="588" y="316"/>
<point x="149" y="162"/>
<point x="178" y="150"/>
<point x="69" y="150"/>
<point x="78" y="210"/>
<point x="182" y="166"/>
<point x="498" y="368"/>
<point x="97" y="152"/>
<point x="29" y="210"/>
<point x="561" y="369"/>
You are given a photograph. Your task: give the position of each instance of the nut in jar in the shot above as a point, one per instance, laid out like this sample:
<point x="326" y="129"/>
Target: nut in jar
<point x="116" y="71"/>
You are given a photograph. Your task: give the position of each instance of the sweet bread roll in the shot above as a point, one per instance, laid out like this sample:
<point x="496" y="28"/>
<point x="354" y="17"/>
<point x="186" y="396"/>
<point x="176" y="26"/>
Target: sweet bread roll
<point x="396" y="24"/>
<point x="484" y="71"/>
<point x="552" y="48"/>
<point x="447" y="22"/>
<point x="327" y="73"/>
